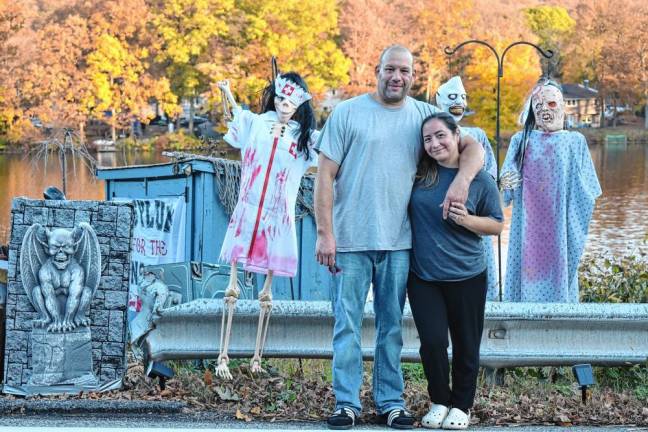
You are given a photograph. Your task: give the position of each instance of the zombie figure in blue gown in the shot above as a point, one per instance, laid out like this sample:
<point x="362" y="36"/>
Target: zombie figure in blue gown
<point x="451" y="97"/>
<point x="549" y="177"/>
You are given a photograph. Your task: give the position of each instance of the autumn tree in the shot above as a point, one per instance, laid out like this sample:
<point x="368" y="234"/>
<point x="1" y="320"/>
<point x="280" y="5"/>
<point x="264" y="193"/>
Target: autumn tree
<point x="607" y="49"/>
<point x="53" y="83"/>
<point x="521" y="72"/>
<point x="479" y="71"/>
<point x="118" y="82"/>
<point x="302" y="35"/>
<point x="638" y="59"/>
<point x="554" y="27"/>
<point x="187" y="29"/>
<point x="120" y="65"/>
<point x="366" y="28"/>
<point x="434" y="35"/>
<point x="11" y="20"/>
<point x="89" y="59"/>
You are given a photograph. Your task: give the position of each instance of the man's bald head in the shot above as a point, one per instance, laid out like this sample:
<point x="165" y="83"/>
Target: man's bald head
<point x="396" y="49"/>
<point x="394" y="75"/>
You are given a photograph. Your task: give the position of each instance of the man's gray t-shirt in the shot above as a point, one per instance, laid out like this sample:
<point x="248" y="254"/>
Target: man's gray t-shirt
<point x="377" y="149"/>
<point x="443" y="250"/>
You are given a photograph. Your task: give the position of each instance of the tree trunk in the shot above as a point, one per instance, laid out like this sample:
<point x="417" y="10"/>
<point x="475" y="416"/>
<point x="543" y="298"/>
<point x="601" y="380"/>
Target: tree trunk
<point x="113" y="129"/>
<point x="646" y="115"/>
<point x="191" y="115"/>
<point x="82" y="136"/>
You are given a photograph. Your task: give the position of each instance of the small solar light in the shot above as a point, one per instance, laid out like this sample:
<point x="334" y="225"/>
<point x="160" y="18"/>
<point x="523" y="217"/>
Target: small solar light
<point x="585" y="378"/>
<point x="161" y="371"/>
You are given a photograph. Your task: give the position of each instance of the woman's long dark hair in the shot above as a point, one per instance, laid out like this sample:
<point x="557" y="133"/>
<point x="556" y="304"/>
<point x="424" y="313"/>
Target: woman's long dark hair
<point x="530" y="122"/>
<point x="427" y="172"/>
<point x="304" y="114"/>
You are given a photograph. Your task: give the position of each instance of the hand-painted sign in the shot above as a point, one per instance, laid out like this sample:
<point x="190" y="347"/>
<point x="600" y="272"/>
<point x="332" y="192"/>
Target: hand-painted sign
<point x="158" y="238"/>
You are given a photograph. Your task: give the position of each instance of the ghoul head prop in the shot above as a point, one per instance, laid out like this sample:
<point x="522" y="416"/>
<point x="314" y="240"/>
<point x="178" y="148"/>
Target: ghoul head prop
<point x="288" y="97"/>
<point x="544" y="109"/>
<point x="451" y="98"/>
<point x="548" y="107"/>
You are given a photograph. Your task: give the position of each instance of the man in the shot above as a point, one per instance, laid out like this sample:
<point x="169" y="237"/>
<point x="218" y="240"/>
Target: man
<point x="370" y="147"/>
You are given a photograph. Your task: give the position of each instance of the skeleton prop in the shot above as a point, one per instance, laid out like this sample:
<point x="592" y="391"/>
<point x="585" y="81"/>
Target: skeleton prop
<point x="261" y="233"/>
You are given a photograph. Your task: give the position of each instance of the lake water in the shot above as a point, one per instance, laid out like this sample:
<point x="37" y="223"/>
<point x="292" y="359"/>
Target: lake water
<point x="619" y="226"/>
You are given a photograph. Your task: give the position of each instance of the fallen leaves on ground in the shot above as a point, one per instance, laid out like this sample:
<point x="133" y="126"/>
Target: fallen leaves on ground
<point x="293" y="397"/>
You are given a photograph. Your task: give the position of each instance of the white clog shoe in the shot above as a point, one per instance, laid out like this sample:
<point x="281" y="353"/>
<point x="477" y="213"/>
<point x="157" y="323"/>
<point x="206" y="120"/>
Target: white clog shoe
<point x="456" y="420"/>
<point x="434" y="418"/>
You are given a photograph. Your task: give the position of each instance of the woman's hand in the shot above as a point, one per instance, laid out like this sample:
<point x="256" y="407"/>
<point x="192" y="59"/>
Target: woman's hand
<point x="457" y="192"/>
<point x="458" y="213"/>
<point x="480" y="225"/>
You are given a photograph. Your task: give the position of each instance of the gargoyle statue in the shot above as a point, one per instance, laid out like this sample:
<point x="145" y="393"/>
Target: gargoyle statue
<point x="60" y="271"/>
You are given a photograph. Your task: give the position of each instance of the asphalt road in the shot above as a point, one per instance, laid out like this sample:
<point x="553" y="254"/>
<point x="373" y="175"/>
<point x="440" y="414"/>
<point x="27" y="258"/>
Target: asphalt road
<point x="180" y="422"/>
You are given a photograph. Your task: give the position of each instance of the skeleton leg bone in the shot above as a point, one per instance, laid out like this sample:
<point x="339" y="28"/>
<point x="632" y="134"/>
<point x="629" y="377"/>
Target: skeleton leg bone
<point x="265" y="301"/>
<point x="229" y="304"/>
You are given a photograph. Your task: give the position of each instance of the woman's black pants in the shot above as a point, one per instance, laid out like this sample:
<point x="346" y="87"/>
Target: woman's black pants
<point x="459" y="307"/>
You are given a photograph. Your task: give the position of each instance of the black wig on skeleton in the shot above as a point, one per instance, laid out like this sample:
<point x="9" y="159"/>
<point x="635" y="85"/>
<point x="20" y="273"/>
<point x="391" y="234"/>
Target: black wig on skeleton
<point x="304" y="114"/>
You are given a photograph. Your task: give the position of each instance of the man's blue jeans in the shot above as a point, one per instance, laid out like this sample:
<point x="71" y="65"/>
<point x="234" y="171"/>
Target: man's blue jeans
<point x="388" y="271"/>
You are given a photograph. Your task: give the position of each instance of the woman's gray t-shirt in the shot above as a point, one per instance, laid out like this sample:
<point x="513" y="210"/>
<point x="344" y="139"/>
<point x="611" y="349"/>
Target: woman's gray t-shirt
<point x="441" y="249"/>
<point x="377" y="149"/>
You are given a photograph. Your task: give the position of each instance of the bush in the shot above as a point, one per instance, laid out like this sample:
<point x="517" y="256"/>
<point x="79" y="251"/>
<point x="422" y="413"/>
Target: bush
<point x="614" y="280"/>
<point x="180" y="141"/>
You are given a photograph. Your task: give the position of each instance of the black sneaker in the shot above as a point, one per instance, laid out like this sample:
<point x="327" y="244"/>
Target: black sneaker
<point x="343" y="418"/>
<point x="399" y="419"/>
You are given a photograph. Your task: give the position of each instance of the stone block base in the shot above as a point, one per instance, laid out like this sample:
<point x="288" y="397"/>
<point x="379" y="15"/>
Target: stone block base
<point x="62" y="358"/>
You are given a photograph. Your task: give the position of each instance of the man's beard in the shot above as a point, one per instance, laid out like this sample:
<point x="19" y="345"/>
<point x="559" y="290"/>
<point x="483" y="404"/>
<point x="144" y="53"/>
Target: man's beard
<point x="394" y="96"/>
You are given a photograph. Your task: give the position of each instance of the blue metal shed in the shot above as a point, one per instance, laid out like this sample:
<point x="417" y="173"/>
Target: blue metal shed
<point x="195" y="179"/>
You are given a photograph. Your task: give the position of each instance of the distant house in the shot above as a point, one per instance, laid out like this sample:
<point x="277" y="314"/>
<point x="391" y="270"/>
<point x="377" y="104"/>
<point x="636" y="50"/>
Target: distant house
<point x="582" y="107"/>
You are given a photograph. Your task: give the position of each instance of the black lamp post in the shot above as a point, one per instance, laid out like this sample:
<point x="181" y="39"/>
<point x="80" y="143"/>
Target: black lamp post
<point x="500" y="74"/>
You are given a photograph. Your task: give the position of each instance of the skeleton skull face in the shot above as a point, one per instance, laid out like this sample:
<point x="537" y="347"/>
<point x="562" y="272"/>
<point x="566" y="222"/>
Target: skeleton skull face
<point x="284" y="108"/>
<point x="61" y="246"/>
<point x="548" y="107"/>
<point x="451" y="98"/>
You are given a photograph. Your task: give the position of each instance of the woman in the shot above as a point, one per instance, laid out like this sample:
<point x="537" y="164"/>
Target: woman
<point x="447" y="283"/>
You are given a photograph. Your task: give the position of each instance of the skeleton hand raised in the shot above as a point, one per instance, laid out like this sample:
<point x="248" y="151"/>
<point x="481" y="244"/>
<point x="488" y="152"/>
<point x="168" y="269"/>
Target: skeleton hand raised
<point x="510" y="180"/>
<point x="223" y="85"/>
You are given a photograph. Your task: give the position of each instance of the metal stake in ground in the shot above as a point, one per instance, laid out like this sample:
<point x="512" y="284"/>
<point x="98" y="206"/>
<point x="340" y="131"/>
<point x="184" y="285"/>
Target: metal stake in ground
<point x="500" y="73"/>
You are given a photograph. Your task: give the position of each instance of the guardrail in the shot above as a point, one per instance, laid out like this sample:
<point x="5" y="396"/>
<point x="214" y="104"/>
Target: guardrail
<point x="515" y="334"/>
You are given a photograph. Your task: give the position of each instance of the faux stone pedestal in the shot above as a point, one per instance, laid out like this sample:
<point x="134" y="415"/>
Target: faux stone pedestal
<point x="62" y="358"/>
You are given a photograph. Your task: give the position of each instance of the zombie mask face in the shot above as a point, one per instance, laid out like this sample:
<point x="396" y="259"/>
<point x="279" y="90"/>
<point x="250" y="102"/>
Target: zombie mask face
<point x="548" y="108"/>
<point x="61" y="245"/>
<point x="451" y="98"/>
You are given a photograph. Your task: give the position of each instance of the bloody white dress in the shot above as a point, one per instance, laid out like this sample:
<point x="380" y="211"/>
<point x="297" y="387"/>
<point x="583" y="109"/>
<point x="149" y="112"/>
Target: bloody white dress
<point x="261" y="232"/>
